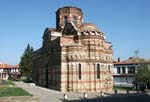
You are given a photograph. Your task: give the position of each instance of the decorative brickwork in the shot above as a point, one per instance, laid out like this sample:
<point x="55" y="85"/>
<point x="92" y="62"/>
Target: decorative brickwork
<point x="75" y="56"/>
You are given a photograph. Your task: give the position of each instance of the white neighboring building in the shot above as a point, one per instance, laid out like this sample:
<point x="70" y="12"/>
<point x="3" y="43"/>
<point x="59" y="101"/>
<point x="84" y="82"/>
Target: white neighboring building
<point x="124" y="71"/>
<point x="9" y="70"/>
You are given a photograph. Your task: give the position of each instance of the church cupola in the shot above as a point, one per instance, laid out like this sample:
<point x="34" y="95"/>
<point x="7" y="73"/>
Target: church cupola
<point x="66" y="15"/>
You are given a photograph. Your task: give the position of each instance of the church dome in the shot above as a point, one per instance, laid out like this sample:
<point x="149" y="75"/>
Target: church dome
<point x="88" y="27"/>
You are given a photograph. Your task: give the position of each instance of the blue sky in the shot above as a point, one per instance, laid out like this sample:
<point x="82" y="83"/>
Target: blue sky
<point x="126" y="24"/>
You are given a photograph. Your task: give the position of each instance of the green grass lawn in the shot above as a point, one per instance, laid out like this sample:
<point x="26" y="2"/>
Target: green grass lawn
<point x="12" y="91"/>
<point x="7" y="90"/>
<point x="122" y="88"/>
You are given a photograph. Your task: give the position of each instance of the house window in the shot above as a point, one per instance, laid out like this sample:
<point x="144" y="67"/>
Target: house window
<point x="79" y="71"/>
<point x="98" y="71"/>
<point x="65" y="20"/>
<point x="75" y="20"/>
<point x="118" y="70"/>
<point x="123" y="70"/>
<point x="131" y="70"/>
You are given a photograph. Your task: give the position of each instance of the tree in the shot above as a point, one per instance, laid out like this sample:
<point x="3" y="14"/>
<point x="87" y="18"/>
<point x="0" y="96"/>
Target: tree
<point x="26" y="61"/>
<point x="143" y="74"/>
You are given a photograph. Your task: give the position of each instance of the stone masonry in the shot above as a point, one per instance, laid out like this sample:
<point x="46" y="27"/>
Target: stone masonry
<point x="75" y="56"/>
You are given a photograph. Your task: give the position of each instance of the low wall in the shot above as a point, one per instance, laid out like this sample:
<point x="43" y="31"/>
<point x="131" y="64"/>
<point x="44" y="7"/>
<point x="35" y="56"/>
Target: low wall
<point x="19" y="99"/>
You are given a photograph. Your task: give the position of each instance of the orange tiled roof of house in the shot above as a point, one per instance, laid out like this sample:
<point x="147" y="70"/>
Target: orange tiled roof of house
<point x="132" y="60"/>
<point x="4" y="65"/>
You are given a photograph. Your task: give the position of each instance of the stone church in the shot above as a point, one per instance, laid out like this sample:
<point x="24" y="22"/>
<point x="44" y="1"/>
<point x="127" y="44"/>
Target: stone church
<point x="74" y="56"/>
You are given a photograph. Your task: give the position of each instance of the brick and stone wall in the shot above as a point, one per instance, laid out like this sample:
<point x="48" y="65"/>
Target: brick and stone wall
<point x="56" y="64"/>
<point x="68" y="12"/>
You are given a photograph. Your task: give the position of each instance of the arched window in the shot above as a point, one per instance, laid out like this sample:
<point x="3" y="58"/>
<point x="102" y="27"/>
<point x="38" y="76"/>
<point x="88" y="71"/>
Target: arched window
<point x="75" y="20"/>
<point x="109" y="70"/>
<point x="98" y="71"/>
<point x="65" y="20"/>
<point x="79" y="71"/>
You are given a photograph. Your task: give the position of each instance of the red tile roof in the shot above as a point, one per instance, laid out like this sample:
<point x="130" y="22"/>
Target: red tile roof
<point x="4" y="65"/>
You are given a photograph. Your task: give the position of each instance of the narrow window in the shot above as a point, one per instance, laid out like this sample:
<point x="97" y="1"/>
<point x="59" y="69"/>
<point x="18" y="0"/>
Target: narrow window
<point x="118" y="70"/>
<point x="65" y="20"/>
<point x="109" y="68"/>
<point x="123" y="70"/>
<point x="75" y="20"/>
<point x="98" y="71"/>
<point x="133" y="70"/>
<point x="79" y="71"/>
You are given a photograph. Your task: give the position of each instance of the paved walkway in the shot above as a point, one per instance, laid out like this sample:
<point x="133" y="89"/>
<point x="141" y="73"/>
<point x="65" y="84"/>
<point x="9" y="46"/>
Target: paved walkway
<point x="48" y="95"/>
